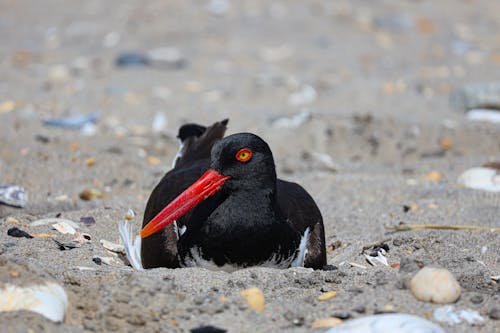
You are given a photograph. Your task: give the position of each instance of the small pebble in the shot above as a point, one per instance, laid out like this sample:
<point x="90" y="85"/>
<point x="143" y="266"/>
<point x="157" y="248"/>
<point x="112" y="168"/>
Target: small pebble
<point x="477" y="299"/>
<point x="132" y="59"/>
<point x="255" y="298"/>
<point x="342" y="315"/>
<point x="326" y="296"/>
<point x="97" y="260"/>
<point x="16" y="232"/>
<point x="494" y="313"/>
<point x="90" y="194"/>
<point x="87" y="220"/>
<point x="326" y="322"/>
<point x="436" y="285"/>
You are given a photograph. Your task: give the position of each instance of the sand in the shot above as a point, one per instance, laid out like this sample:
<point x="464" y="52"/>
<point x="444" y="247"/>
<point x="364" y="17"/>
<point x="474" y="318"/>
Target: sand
<point x="381" y="75"/>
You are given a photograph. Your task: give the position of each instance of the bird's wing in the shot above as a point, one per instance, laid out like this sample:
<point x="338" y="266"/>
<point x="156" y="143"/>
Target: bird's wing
<point x="300" y="210"/>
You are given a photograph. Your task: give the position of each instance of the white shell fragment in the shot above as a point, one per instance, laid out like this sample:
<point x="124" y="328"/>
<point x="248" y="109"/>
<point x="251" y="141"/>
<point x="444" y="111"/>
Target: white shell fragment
<point x="485" y="115"/>
<point x="384" y="323"/>
<point x="64" y="228"/>
<point x="130" y="214"/>
<point x="481" y="178"/>
<point x="302" y="97"/>
<point x="49" y="300"/>
<point x="449" y="315"/>
<point x="436" y="285"/>
<point x="82" y="238"/>
<point x="293" y="121"/>
<point x="132" y="244"/>
<point x="51" y="220"/>
<point x="379" y="258"/>
<point x="13" y="196"/>
<point x="113" y="247"/>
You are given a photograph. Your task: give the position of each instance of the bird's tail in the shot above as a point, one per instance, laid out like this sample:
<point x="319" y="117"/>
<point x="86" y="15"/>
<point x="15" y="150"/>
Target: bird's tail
<point x="196" y="141"/>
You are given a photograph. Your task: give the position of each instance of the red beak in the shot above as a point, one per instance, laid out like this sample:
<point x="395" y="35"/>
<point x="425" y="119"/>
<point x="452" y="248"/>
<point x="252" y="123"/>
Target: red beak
<point x="206" y="186"/>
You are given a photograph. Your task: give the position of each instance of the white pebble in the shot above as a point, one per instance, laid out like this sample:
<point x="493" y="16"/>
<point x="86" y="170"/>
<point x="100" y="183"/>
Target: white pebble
<point x="485" y="179"/>
<point x="436" y="285"/>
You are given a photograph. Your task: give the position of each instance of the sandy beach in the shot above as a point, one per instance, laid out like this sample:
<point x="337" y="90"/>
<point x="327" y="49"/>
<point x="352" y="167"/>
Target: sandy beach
<point x="354" y="99"/>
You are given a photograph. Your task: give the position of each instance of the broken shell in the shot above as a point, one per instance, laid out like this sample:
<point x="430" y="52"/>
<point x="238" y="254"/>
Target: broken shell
<point x="434" y="176"/>
<point x="64" y="228"/>
<point x="398" y="322"/>
<point x="449" y="315"/>
<point x="380" y="258"/>
<point x="486" y="179"/>
<point x="436" y="285"/>
<point x="66" y="246"/>
<point x="49" y="300"/>
<point x="130" y="215"/>
<point x="51" y="220"/>
<point x="255" y="298"/>
<point x="13" y="196"/>
<point x="326" y="296"/>
<point x="113" y="247"/>
<point x="326" y="322"/>
<point x="82" y="238"/>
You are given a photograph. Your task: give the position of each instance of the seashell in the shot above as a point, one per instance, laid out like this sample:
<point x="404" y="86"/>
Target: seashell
<point x="486" y="179"/>
<point x="82" y="238"/>
<point x="436" y="285"/>
<point x="326" y="322"/>
<point x="73" y="122"/>
<point x="51" y="220"/>
<point x="293" y="121"/>
<point x="326" y="296"/>
<point x="13" y="196"/>
<point x="449" y="315"/>
<point x="394" y="322"/>
<point x="484" y="115"/>
<point x="49" y="300"/>
<point x="132" y="245"/>
<point x="66" y="246"/>
<point x="255" y="298"/>
<point x="113" y="247"/>
<point x="64" y="228"/>
<point x="130" y="214"/>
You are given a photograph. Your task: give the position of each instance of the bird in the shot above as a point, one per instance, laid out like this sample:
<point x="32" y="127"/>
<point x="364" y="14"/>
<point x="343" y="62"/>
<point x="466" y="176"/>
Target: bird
<point x="222" y="207"/>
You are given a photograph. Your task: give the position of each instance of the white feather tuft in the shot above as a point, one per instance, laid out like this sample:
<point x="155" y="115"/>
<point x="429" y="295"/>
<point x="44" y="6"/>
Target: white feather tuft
<point x="132" y="245"/>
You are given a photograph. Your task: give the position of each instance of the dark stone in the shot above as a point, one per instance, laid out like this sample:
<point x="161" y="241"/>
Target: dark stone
<point x="208" y="329"/>
<point x="342" y="315"/>
<point x="97" y="260"/>
<point x="87" y="220"/>
<point x="16" y="232"/>
<point x="477" y="299"/>
<point x="359" y="309"/>
<point x="42" y="138"/>
<point x="494" y="313"/>
<point x="132" y="59"/>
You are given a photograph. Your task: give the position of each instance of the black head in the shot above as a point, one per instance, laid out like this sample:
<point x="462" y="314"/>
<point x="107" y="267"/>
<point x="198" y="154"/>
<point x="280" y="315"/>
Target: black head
<point x="247" y="159"/>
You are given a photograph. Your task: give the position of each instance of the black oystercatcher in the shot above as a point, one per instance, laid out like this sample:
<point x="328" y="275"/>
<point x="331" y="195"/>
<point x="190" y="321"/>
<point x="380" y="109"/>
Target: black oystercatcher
<point x="222" y="207"/>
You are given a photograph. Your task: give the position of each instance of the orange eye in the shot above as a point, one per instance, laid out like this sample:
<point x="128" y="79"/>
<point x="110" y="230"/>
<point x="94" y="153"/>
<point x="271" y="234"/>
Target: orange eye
<point x="244" y="155"/>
